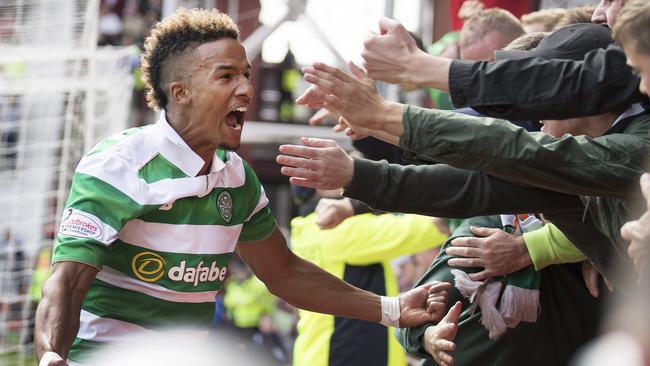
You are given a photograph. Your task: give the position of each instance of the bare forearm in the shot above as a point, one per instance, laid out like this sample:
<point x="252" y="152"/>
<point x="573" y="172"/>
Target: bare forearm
<point x="390" y="125"/>
<point x="430" y="71"/>
<point x="57" y="321"/>
<point x="309" y="287"/>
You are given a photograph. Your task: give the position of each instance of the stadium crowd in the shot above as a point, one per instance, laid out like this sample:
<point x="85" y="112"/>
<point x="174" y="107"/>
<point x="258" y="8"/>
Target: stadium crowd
<point x="527" y="194"/>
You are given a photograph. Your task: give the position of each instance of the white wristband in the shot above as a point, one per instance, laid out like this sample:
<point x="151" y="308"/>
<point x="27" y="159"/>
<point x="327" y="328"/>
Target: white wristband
<point x="390" y="311"/>
<point x="49" y="356"/>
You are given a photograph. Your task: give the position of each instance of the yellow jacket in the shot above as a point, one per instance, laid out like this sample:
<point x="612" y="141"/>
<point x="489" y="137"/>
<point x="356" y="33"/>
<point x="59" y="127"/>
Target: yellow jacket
<point x="360" y="241"/>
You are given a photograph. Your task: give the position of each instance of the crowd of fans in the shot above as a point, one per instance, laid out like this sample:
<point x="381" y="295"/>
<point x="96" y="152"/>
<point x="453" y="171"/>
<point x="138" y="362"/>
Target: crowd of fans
<point x="529" y="288"/>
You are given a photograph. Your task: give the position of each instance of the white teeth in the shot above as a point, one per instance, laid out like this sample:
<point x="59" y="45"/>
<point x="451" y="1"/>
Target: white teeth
<point x="240" y="109"/>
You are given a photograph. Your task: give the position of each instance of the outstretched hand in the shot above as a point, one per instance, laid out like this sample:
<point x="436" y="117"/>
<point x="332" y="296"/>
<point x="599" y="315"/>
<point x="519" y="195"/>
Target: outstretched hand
<point x="638" y="233"/>
<point x="414" y="308"/>
<point x="438" y="339"/>
<point x="353" y="97"/>
<point x="331" y="212"/>
<point x="387" y="55"/>
<point x="320" y="164"/>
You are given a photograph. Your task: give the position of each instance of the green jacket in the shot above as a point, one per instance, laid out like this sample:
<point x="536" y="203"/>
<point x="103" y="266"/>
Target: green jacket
<point x="607" y="166"/>
<point x="569" y="318"/>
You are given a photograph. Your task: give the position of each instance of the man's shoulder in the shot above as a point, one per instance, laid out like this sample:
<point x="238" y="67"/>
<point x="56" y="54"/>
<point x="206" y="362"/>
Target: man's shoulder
<point x="123" y="139"/>
<point x="637" y="124"/>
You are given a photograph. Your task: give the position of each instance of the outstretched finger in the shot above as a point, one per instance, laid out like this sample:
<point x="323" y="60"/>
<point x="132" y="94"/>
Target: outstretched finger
<point x="333" y="71"/>
<point x="327" y="83"/>
<point x="319" y="117"/>
<point x="308" y="183"/>
<point x="358" y="72"/>
<point x="313" y="96"/>
<point x="315" y="142"/>
<point x="298" y="150"/>
<point x="299" y="173"/>
<point x="296" y="162"/>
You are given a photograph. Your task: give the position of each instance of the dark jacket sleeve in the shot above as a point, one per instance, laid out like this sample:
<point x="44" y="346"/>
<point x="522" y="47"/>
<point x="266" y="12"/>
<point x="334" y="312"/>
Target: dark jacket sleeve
<point x="534" y="88"/>
<point x="608" y="165"/>
<point x="440" y="190"/>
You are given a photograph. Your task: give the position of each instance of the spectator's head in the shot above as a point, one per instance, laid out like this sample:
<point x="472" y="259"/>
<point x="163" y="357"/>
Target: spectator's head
<point x="526" y="42"/>
<point x="542" y="21"/>
<point x="632" y="31"/>
<point x="607" y="12"/>
<point x="581" y="14"/>
<point x="487" y="31"/>
<point x="570" y="43"/>
<point x="172" y="46"/>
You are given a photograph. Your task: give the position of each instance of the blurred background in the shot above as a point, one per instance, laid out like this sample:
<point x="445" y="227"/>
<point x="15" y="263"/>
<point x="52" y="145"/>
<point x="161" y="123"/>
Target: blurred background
<point x="69" y="76"/>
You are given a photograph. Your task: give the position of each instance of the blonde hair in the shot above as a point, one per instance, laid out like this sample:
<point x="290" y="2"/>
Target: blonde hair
<point x="490" y="20"/>
<point x="581" y="14"/>
<point x="172" y="40"/>
<point x="547" y="17"/>
<point x="526" y="42"/>
<point x="632" y="27"/>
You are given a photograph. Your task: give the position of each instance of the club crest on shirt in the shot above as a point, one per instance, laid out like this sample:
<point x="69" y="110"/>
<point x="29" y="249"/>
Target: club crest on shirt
<point x="224" y="204"/>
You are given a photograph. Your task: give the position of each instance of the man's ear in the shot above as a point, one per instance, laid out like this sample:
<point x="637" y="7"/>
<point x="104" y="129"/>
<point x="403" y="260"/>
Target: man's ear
<point x="180" y="92"/>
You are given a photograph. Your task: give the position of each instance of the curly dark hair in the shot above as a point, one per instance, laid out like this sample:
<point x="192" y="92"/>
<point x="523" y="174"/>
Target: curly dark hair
<point x="175" y="37"/>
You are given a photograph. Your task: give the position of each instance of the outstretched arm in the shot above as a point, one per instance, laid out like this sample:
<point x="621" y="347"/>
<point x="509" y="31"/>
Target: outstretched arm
<point x="554" y="89"/>
<point x="449" y="192"/>
<point x="57" y="315"/>
<point x="306" y="286"/>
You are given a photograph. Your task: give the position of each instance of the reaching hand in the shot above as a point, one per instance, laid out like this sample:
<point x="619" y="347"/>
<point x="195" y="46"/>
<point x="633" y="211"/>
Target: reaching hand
<point x="331" y="212"/>
<point x="498" y="252"/>
<point x="414" y="310"/>
<point x="591" y="277"/>
<point x="438" y="340"/>
<point x="638" y="233"/>
<point x="387" y="55"/>
<point x="355" y="98"/>
<point x="320" y="164"/>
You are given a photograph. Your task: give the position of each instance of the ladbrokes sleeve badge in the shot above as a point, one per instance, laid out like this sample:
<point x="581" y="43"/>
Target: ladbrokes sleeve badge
<point x="82" y="224"/>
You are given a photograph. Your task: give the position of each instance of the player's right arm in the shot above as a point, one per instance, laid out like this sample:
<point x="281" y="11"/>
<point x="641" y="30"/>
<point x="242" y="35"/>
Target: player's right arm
<point x="57" y="315"/>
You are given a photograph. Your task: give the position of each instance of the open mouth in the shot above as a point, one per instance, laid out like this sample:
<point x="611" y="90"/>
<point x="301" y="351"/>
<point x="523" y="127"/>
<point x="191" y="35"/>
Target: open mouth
<point x="235" y="119"/>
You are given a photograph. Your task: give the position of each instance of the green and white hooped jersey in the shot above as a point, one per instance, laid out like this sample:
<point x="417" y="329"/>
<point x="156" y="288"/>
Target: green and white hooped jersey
<point x="160" y="235"/>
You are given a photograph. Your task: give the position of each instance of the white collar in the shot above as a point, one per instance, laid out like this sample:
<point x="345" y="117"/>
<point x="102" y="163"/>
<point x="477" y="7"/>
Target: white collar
<point x="178" y="152"/>
<point x="634" y="109"/>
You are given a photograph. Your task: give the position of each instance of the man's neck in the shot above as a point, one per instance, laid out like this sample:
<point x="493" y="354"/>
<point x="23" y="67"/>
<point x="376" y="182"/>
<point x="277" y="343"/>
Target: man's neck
<point x="194" y="138"/>
<point x="595" y="126"/>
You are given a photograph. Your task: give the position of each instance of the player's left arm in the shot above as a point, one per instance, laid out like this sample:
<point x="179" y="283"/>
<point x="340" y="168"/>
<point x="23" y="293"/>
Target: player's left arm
<point x="307" y="286"/>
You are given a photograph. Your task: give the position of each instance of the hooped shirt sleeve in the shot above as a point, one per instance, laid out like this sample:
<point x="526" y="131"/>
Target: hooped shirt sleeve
<point x="96" y="211"/>
<point x="260" y="223"/>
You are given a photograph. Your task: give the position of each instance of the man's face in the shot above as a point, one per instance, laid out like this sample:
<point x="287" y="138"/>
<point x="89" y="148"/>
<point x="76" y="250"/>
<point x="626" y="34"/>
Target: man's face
<point x="640" y="62"/>
<point x="221" y="91"/>
<point x="607" y="12"/>
<point x="559" y="128"/>
<point x="483" y="50"/>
